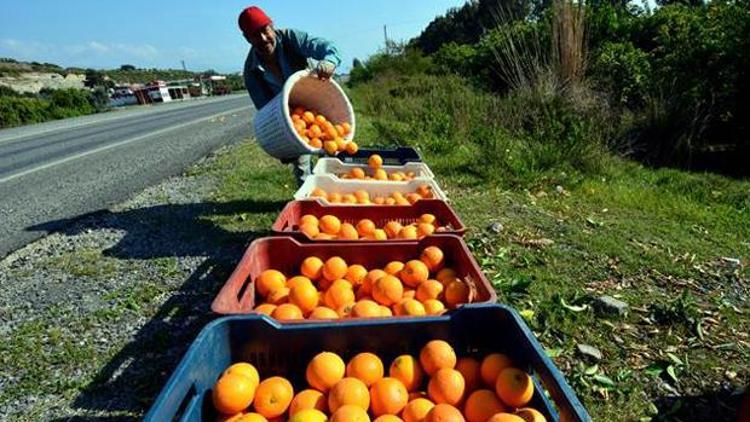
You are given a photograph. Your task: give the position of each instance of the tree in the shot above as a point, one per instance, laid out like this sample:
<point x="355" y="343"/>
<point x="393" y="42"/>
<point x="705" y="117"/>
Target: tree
<point x="127" y="67"/>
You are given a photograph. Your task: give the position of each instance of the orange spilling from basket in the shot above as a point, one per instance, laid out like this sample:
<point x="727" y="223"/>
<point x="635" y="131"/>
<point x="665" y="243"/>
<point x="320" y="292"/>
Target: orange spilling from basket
<point x="330" y="227"/>
<point x="319" y="132"/>
<point x="435" y="385"/>
<point x="332" y="289"/>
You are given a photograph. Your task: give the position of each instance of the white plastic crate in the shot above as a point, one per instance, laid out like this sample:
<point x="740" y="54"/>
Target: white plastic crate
<point x="374" y="188"/>
<point x="334" y="167"/>
<point x="273" y="125"/>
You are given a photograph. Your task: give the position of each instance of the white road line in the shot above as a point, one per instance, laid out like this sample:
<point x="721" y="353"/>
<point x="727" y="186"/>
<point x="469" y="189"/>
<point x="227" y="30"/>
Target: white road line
<point x="117" y="144"/>
<point x="111" y="116"/>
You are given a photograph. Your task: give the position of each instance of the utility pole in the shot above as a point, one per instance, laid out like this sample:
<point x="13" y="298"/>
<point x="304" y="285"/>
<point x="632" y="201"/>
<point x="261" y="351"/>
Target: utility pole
<point x="385" y="34"/>
<point x="183" y="65"/>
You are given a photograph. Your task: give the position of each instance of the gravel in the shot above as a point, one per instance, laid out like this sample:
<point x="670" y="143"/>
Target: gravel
<point x="98" y="314"/>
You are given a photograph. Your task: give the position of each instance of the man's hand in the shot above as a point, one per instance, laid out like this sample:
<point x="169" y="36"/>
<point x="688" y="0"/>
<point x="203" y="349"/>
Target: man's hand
<point x="325" y="69"/>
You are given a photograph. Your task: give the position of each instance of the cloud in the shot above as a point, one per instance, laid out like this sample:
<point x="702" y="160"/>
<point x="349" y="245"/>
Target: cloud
<point x="91" y="50"/>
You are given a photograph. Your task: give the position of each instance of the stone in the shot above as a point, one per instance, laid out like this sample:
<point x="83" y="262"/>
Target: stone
<point x="496" y="227"/>
<point x="610" y="306"/>
<point x="589" y="352"/>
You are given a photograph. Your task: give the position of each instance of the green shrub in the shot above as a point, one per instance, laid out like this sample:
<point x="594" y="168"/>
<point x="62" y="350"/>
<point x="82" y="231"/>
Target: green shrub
<point x="456" y="58"/>
<point x="623" y="70"/>
<point x="408" y="62"/>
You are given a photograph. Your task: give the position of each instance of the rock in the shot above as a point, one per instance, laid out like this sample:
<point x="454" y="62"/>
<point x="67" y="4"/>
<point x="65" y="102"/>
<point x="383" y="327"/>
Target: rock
<point x="496" y="227"/>
<point x="731" y="262"/>
<point x="590" y="352"/>
<point x="610" y="306"/>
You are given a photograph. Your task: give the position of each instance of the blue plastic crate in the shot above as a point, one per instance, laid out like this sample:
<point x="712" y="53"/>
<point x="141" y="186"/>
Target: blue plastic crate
<point x="391" y="156"/>
<point x="285" y="350"/>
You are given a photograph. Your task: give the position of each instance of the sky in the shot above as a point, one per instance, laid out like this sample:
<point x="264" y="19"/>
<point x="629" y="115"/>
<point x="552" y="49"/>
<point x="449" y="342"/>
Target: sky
<point x="161" y="33"/>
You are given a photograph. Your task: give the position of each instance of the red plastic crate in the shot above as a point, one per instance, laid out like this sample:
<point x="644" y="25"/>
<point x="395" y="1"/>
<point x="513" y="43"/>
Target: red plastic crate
<point x="285" y="254"/>
<point x="288" y="220"/>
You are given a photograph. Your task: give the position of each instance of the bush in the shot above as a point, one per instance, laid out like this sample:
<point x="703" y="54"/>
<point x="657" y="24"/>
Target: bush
<point x="456" y="58"/>
<point x="50" y="104"/>
<point x="408" y="62"/>
<point x="623" y="70"/>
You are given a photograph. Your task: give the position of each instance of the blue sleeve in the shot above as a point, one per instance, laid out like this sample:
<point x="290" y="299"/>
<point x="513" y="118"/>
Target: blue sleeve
<point x="257" y="94"/>
<point x="315" y="47"/>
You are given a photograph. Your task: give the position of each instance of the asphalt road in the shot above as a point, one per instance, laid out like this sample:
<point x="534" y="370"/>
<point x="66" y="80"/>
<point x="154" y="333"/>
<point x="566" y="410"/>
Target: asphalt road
<point x="61" y="170"/>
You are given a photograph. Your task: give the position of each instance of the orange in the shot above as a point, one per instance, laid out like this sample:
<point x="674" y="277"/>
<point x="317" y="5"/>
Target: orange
<point x="316" y="143"/>
<point x="416" y="410"/>
<point x="348" y="232"/>
<point x="435" y="355"/>
<point x="366" y="309"/>
<point x="305" y="296"/>
<point x="310" y="230"/>
<point x="309" y="415"/>
<point x="340" y="144"/>
<point x="251" y="417"/>
<point x="265" y="308"/>
<point x="388" y="418"/>
<point x="349" y="390"/>
<point x="505" y="417"/>
<point x="444" y="412"/>
<point x="429" y="289"/>
<point x="365" y="367"/>
<point x="481" y="405"/>
<point x="409" y="293"/>
<point x="456" y="293"/>
<point x="427" y="218"/>
<point x="330" y="147"/>
<point x="322" y="312"/>
<point x="298" y="111"/>
<point x="308" y="218"/>
<point x="312" y="267"/>
<point x="287" y="312"/>
<point x="380" y="174"/>
<point x="314" y="131"/>
<point x="335" y="268"/>
<point x="334" y="197"/>
<point x="394" y="267"/>
<point x="320" y="119"/>
<point x="300" y="279"/>
<point x="529" y="414"/>
<point x="414" y="273"/>
<point x="392" y="229"/>
<point x="349" y="198"/>
<point x="350" y="413"/>
<point x="308" y="117"/>
<point x="352" y="148"/>
<point x="390" y="201"/>
<point x="339" y="294"/>
<point x="396" y="177"/>
<point x="318" y="193"/>
<point x="330" y="132"/>
<point x="278" y="296"/>
<point x="413" y="197"/>
<point x="424" y="229"/>
<point x="514" y="387"/>
<point x="408" y="232"/>
<point x="433" y="307"/>
<point x="273" y="397"/>
<point x="388" y="290"/>
<point x="324" y="371"/>
<point x="379" y="234"/>
<point x="370" y="279"/>
<point x="433" y="257"/>
<point x="308" y="399"/>
<point x="446" y="386"/>
<point x="356" y="274"/>
<point x="330" y="224"/>
<point x="233" y="393"/>
<point x="445" y="275"/>
<point x="491" y="366"/>
<point x="375" y="161"/>
<point x="412" y="307"/>
<point x="357" y="173"/>
<point x="388" y="396"/>
<point x="269" y="280"/>
<point x="385" y="311"/>
<point x="470" y="370"/>
<point x="424" y="191"/>
<point x="365" y="227"/>
<point x="347" y="127"/>
<point x="345" y="311"/>
<point x="362" y="198"/>
<point x="406" y="369"/>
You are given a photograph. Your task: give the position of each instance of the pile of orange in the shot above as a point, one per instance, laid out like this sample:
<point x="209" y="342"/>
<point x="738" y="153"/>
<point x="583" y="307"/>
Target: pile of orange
<point x="434" y="386"/>
<point x="377" y="172"/>
<point x="363" y="198"/>
<point x="333" y="289"/>
<point x="330" y="227"/>
<point x="318" y="132"/>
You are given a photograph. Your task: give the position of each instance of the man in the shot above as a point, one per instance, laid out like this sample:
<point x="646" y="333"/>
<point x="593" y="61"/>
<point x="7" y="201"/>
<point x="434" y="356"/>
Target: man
<point x="275" y="55"/>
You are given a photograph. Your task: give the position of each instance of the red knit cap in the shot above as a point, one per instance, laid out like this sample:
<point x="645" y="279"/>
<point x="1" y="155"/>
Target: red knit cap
<point x="253" y="19"/>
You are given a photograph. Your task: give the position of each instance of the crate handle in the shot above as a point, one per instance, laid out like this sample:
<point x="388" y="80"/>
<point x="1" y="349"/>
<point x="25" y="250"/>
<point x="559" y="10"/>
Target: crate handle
<point x="173" y="405"/>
